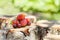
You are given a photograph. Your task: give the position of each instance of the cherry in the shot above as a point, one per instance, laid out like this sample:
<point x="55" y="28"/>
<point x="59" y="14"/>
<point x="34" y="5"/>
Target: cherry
<point x="14" y="26"/>
<point x="21" y="17"/>
<point x="15" y="22"/>
<point x="28" y="21"/>
<point x="19" y="25"/>
<point x="23" y="22"/>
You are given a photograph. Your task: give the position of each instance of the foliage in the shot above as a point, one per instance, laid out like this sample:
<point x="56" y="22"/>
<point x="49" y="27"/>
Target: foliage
<point x="51" y="8"/>
<point x="7" y="8"/>
<point x="39" y="5"/>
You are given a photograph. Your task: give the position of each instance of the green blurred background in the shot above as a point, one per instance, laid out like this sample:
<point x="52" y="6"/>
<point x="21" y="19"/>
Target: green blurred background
<point x="43" y="9"/>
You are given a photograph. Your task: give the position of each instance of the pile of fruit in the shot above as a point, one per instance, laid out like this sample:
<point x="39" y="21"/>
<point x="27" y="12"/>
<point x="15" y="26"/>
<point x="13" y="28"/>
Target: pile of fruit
<point x="21" y="21"/>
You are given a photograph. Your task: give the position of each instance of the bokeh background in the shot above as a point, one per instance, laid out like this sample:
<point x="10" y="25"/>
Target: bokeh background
<point x="43" y="9"/>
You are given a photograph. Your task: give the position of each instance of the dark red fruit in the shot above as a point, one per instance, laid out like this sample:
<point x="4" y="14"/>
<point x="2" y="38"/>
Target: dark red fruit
<point x="19" y="25"/>
<point x="14" y="26"/>
<point x="21" y="17"/>
<point x="28" y="21"/>
<point x="23" y="22"/>
<point x="15" y="22"/>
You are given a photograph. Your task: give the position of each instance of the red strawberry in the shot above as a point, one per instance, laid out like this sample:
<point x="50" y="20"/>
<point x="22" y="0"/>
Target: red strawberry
<point x="21" y="17"/>
<point x="23" y="22"/>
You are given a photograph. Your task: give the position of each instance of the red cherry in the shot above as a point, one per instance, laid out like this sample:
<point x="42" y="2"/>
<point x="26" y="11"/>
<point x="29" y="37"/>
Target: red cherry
<point x="15" y="22"/>
<point x="14" y="26"/>
<point x="21" y="17"/>
<point x="19" y="25"/>
<point x="23" y="22"/>
<point x="28" y="21"/>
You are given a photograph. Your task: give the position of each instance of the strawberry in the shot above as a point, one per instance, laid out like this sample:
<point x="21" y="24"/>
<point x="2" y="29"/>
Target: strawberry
<point x="23" y="22"/>
<point x="21" y="17"/>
